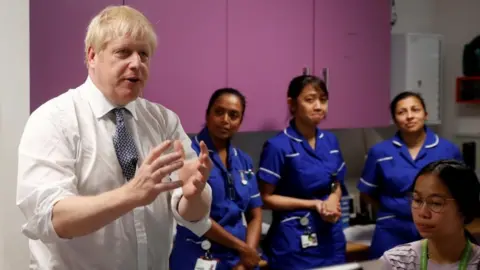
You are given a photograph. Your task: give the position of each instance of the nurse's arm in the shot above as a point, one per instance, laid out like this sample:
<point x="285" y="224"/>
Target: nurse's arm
<point x="219" y="235"/>
<point x="254" y="227"/>
<point x="337" y="193"/>
<point x="283" y="203"/>
<point x="368" y="199"/>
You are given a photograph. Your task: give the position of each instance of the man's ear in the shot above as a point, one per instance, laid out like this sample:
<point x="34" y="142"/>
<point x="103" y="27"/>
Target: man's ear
<point x="91" y="57"/>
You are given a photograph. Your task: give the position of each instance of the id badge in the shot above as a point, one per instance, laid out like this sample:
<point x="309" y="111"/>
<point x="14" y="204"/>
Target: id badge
<point x="203" y="264"/>
<point x="309" y="240"/>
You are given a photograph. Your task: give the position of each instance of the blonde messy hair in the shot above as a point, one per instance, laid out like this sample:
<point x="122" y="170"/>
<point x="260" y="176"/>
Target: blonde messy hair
<point x="116" y="22"/>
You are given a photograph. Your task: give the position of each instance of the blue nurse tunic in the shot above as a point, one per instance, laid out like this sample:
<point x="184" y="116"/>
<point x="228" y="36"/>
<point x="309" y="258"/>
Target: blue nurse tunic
<point x="234" y="192"/>
<point x="388" y="176"/>
<point x="297" y="170"/>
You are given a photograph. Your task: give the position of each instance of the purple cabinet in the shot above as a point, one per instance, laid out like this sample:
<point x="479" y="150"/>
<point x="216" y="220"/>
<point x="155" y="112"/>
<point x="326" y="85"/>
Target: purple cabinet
<point x="352" y="40"/>
<point x="57" y="57"/>
<point x="191" y="59"/>
<point x="254" y="46"/>
<point x="269" y="42"/>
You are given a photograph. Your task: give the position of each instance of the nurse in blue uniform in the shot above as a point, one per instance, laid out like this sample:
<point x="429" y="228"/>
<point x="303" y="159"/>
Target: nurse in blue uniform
<point x="301" y="178"/>
<point x="391" y="167"/>
<point x="232" y="241"/>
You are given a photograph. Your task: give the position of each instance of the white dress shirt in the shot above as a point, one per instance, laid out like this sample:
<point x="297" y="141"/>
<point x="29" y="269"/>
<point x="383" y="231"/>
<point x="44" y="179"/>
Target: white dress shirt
<point x="66" y="150"/>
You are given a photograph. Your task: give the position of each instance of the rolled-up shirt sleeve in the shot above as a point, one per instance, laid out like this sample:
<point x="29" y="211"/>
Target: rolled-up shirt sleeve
<point x="46" y="162"/>
<point x="203" y="225"/>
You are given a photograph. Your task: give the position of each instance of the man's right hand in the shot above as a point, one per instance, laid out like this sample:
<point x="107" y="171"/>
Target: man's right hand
<point x="148" y="181"/>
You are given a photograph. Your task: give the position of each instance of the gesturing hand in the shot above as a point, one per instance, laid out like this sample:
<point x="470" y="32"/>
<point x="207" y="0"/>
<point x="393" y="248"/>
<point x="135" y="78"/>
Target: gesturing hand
<point x="194" y="174"/>
<point x="147" y="183"/>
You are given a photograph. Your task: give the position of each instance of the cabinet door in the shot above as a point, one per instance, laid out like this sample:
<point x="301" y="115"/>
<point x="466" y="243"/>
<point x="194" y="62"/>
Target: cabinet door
<point x="269" y="42"/>
<point x="423" y="71"/>
<point x="57" y="57"/>
<point x="352" y="41"/>
<point x="191" y="58"/>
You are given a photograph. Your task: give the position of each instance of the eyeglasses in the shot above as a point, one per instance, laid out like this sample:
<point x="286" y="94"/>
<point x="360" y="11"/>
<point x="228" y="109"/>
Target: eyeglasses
<point x="434" y="203"/>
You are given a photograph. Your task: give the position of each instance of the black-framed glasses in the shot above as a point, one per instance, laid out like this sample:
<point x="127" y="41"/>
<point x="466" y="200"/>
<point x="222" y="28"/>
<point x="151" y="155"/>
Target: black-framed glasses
<point x="434" y="203"/>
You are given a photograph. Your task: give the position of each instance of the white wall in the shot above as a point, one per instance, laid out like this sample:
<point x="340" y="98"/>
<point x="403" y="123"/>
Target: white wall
<point x="14" y="110"/>
<point x="415" y="16"/>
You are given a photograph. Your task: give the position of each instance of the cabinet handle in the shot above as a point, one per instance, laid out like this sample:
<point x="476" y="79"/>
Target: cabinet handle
<point x="305" y="71"/>
<point x="325" y="73"/>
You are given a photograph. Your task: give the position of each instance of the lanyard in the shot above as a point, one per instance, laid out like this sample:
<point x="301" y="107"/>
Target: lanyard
<point x="463" y="260"/>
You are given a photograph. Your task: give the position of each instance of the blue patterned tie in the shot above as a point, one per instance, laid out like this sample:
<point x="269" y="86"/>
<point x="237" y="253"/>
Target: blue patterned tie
<point x="124" y="145"/>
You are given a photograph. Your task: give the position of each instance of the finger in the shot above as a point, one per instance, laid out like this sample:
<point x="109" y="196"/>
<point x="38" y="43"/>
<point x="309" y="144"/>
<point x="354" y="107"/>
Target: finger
<point x="164" y="160"/>
<point x="157" y="151"/>
<point x="167" y="186"/>
<point x="159" y="174"/>
<point x="199" y="184"/>
<point x="203" y="148"/>
<point x="178" y="146"/>
<point x="204" y="172"/>
<point x="208" y="162"/>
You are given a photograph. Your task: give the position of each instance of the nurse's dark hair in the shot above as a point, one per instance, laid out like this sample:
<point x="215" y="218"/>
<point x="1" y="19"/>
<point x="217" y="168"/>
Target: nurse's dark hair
<point x="402" y="96"/>
<point x="462" y="183"/>
<point x="298" y="83"/>
<point x="224" y="91"/>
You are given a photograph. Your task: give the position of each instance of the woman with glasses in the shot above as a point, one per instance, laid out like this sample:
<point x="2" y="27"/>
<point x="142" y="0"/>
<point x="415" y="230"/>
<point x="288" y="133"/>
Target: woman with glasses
<point x="236" y="216"/>
<point x="445" y="198"/>
<point x="391" y="167"/>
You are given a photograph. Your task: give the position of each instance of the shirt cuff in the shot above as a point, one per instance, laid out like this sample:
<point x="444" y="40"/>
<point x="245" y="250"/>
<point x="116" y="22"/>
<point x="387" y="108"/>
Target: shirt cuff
<point x="40" y="226"/>
<point x="200" y="227"/>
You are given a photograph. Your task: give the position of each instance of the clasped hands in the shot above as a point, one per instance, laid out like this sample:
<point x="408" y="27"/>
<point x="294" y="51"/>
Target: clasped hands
<point x="249" y="258"/>
<point x="329" y="209"/>
<point x="152" y="178"/>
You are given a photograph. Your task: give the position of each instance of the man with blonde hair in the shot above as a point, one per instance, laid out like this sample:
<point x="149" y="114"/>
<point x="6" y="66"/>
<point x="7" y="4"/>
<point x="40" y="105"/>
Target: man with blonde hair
<point x="102" y="173"/>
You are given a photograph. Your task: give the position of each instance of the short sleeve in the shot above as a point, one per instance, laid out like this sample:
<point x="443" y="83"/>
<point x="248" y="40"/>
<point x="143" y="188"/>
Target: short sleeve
<point x="385" y="264"/>
<point x="255" y="198"/>
<point x="369" y="180"/>
<point x="403" y="257"/>
<point x="271" y="162"/>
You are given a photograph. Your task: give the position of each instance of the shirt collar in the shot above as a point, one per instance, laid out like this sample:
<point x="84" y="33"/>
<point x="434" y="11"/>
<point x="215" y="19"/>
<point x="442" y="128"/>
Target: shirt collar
<point x="204" y="136"/>
<point x="99" y="103"/>
<point x="431" y="139"/>
<point x="292" y="132"/>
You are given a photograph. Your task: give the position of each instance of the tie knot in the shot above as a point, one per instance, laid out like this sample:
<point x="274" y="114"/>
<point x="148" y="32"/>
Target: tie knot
<point x="119" y="114"/>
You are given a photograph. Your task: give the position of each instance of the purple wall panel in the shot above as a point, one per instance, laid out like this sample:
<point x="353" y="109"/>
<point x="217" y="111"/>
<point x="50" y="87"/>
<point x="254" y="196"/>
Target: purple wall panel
<point x="190" y="62"/>
<point x="57" y="32"/>
<point x="352" y="39"/>
<point x="269" y="42"/>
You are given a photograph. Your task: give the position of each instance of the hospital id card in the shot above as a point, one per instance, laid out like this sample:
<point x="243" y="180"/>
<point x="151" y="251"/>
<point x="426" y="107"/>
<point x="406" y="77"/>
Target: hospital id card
<point x="309" y="240"/>
<point x="203" y="264"/>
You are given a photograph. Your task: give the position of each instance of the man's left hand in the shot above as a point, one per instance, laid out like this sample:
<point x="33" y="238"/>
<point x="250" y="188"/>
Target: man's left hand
<point x="194" y="173"/>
